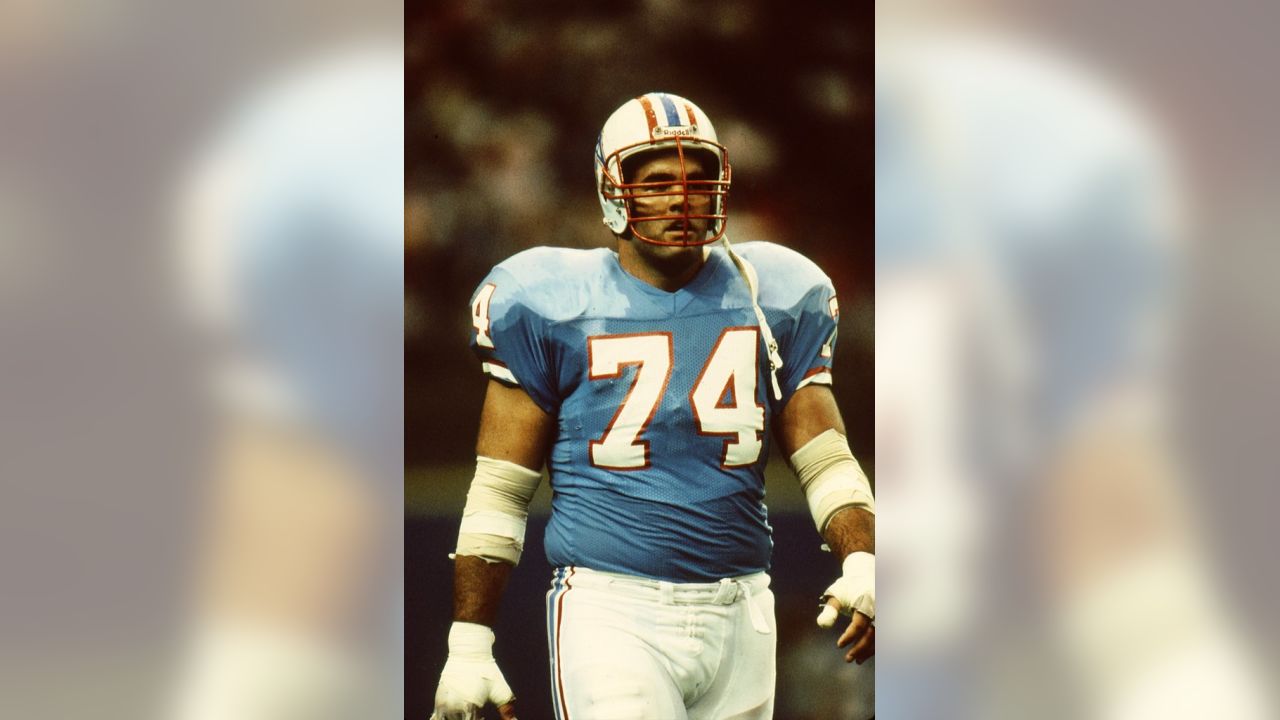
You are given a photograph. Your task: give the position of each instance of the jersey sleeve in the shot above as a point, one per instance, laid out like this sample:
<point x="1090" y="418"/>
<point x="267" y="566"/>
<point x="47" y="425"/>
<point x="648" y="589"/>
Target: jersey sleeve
<point x="807" y="354"/>
<point x="510" y="339"/>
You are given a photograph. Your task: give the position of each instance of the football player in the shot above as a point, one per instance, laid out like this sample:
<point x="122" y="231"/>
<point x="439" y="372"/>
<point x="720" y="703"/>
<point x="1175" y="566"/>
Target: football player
<point x="652" y="379"/>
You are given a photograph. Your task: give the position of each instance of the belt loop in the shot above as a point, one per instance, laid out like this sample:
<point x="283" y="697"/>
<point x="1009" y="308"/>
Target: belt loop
<point x="667" y="592"/>
<point x="727" y="592"/>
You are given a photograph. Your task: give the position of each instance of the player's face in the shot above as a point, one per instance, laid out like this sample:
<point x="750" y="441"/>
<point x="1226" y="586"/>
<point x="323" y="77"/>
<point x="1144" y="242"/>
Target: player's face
<point x="669" y="198"/>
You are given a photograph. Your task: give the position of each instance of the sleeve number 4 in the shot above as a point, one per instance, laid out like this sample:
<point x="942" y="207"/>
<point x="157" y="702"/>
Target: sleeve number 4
<point x="723" y="398"/>
<point x="480" y="315"/>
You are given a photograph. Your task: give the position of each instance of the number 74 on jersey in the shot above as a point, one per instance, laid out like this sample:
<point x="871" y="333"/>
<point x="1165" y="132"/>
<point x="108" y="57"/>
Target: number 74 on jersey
<point x="723" y="398"/>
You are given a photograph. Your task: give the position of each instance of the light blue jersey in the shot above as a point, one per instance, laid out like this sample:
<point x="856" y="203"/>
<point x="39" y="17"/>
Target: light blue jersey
<point x="663" y="399"/>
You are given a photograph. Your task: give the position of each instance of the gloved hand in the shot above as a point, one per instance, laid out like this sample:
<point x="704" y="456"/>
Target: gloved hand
<point x="471" y="677"/>
<point x="855" y="591"/>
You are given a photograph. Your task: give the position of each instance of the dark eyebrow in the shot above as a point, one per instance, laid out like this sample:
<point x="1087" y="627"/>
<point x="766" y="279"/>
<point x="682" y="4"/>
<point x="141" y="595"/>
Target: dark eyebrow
<point x="656" y="177"/>
<point x="664" y="176"/>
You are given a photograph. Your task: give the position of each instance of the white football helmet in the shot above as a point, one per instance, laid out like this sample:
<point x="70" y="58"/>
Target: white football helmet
<point x="659" y="121"/>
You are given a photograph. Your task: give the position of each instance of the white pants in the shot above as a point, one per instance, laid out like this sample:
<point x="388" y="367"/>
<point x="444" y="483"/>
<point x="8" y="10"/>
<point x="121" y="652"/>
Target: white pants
<point x="628" y="648"/>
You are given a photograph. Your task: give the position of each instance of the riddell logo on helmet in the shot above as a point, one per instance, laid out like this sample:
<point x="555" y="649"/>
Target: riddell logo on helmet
<point x="675" y="130"/>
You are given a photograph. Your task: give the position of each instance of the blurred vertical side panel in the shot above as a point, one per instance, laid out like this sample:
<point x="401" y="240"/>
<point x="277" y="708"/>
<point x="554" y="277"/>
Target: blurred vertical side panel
<point x="1061" y="468"/>
<point x="200" y="360"/>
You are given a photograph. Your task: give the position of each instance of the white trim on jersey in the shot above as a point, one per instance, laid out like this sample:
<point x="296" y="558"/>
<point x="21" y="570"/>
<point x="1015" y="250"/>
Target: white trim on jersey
<point x="820" y="378"/>
<point x="499" y="372"/>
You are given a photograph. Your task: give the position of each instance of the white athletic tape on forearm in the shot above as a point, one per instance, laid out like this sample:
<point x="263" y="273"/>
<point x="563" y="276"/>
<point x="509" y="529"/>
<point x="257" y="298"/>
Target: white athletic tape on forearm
<point x="491" y="522"/>
<point x="497" y="510"/>
<point x="831" y="478"/>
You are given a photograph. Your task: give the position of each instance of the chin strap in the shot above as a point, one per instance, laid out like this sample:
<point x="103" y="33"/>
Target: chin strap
<point x="749" y="275"/>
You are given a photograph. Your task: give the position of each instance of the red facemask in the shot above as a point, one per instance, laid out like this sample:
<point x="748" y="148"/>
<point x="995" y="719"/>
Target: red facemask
<point x="683" y="199"/>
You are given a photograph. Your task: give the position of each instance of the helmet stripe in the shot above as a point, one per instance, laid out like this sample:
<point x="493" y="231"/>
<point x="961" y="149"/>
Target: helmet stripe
<point x="648" y="112"/>
<point x="673" y="117"/>
<point x="693" y="118"/>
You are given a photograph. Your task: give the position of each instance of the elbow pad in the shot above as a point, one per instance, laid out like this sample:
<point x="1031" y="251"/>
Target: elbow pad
<point x="493" y="521"/>
<point x="831" y="478"/>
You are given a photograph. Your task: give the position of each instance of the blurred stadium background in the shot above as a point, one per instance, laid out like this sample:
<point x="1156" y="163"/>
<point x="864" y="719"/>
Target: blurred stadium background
<point x="503" y="104"/>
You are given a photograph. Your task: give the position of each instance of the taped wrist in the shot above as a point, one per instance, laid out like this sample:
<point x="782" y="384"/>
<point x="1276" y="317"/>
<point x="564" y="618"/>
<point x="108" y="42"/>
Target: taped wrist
<point x="470" y="641"/>
<point x="493" y="521"/>
<point x="856" y="588"/>
<point x="831" y="478"/>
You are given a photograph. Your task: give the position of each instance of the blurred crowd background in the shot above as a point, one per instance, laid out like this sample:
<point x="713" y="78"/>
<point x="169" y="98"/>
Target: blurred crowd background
<point x="504" y="101"/>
